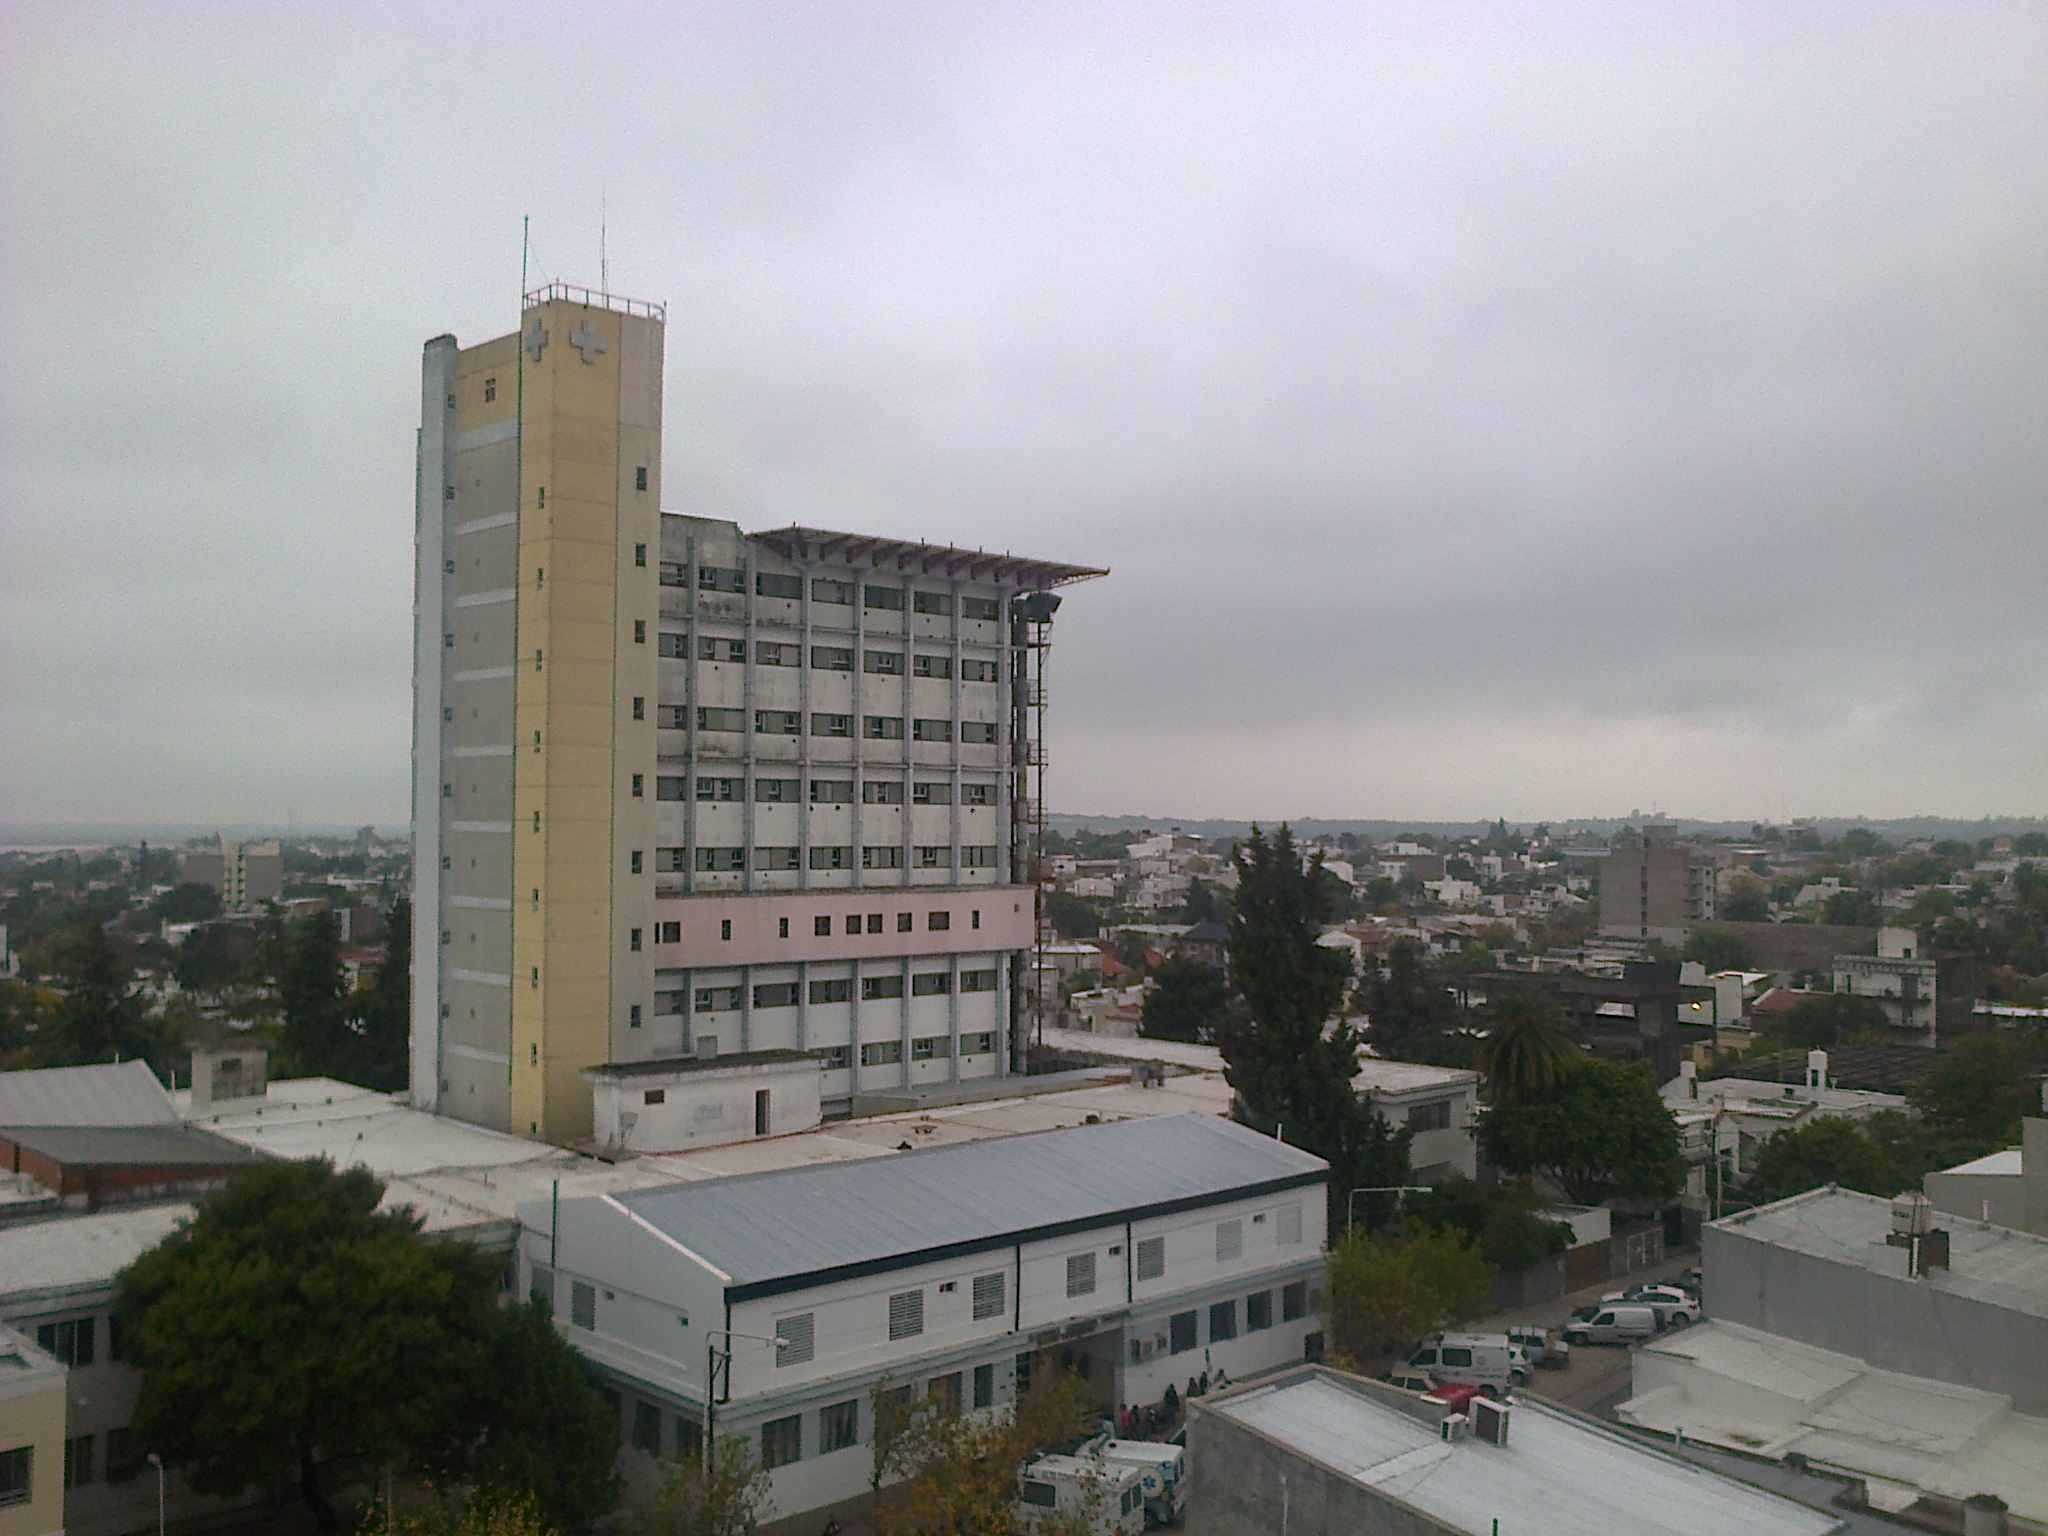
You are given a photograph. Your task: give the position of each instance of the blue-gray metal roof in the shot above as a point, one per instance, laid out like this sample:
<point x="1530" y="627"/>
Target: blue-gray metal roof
<point x="115" y="1093"/>
<point x="778" y="1231"/>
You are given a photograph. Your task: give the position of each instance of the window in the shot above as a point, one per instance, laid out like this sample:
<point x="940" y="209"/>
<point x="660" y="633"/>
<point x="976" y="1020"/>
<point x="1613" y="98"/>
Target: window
<point x="821" y="927"/>
<point x="981" y="1043"/>
<point x="78" y="1461"/>
<point x="647" y="1428"/>
<point x="775" y="858"/>
<point x="984" y="1386"/>
<point x="833" y="989"/>
<point x="654" y="1096"/>
<point x="932" y="730"/>
<point x="796" y="1339"/>
<point x="639" y="786"/>
<point x="932" y="1048"/>
<point x="1180" y="1329"/>
<point x="1044" y="1495"/>
<point x="932" y="792"/>
<point x="988" y="1295"/>
<point x="71" y="1341"/>
<point x="831" y="858"/>
<point x="882" y="1053"/>
<point x="1258" y="1311"/>
<point x="715" y="578"/>
<point x="671" y="717"/>
<point x="853" y="922"/>
<point x="931" y="984"/>
<point x="934" y="602"/>
<point x="672" y="574"/>
<point x="1430" y="1117"/>
<point x="782" y="1441"/>
<point x="1454" y="1355"/>
<point x="882" y="727"/>
<point x="766" y="791"/>
<point x="782" y="923"/>
<point x="719" y="648"/>
<point x="943" y="1393"/>
<point x="978" y="733"/>
<point x="1223" y="1321"/>
<point x="906" y="1314"/>
<point x="777" y="722"/>
<point x="670" y="1002"/>
<point x="635" y="860"/>
<point x="831" y="791"/>
<point x="977" y="794"/>
<point x="982" y="608"/>
<point x="889" y="598"/>
<point x="832" y="658"/>
<point x="776" y="584"/>
<point x="721" y="719"/>
<point x="1151" y="1258"/>
<point x="1287" y="1226"/>
<point x="640" y="553"/>
<point x="973" y="671"/>
<point x="775" y="994"/>
<point x="874" y="989"/>
<point x="884" y="856"/>
<point x="978" y="856"/>
<point x="938" y="922"/>
<point x="640" y="483"/>
<point x="490" y="390"/>
<point x="717" y="999"/>
<point x="639" y="707"/>
<point x="1229" y="1240"/>
<point x="824" y="591"/>
<point x="633" y="941"/>
<point x="672" y="645"/>
<point x="832" y="725"/>
<point x="881" y="792"/>
<point x="978" y="981"/>
<point x="905" y="922"/>
<point x="1294" y="1301"/>
<point x="775" y="653"/>
<point x="670" y="860"/>
<point x="583" y="1305"/>
<point x="882" y="663"/>
<point x="934" y="856"/>
<point x="931" y="666"/>
<point x="721" y="861"/>
<point x="835" y="1057"/>
<point x="668" y="933"/>
<point x="838" y="1427"/>
<point x="1080" y="1274"/>
<point x="639" y="631"/>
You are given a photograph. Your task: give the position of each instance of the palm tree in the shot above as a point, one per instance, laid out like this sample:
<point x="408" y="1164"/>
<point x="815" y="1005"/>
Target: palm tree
<point x="1526" y="1053"/>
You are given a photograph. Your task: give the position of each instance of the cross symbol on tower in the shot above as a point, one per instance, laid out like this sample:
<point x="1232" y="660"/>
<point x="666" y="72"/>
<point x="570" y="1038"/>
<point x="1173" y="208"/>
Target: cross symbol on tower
<point x="585" y="339"/>
<point x="537" y="341"/>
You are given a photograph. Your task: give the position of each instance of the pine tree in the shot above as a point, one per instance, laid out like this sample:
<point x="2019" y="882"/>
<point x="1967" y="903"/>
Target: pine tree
<point x="384" y="1009"/>
<point x="312" y="990"/>
<point x="1290" y="1055"/>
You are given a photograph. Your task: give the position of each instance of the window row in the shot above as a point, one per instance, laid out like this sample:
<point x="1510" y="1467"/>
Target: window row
<point x="889" y="1053"/>
<point x="790" y="722"/>
<point x="720" y="578"/>
<point x="769" y="791"/>
<point x="782" y="1440"/>
<point x="726" y="861"/>
<point x="827" y="990"/>
<point x="828" y="658"/>
<point x="1183" y="1329"/>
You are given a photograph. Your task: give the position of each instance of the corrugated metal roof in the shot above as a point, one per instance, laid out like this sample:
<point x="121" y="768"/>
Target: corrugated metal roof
<point x="767" y="1231"/>
<point x="118" y="1093"/>
<point x="130" y="1146"/>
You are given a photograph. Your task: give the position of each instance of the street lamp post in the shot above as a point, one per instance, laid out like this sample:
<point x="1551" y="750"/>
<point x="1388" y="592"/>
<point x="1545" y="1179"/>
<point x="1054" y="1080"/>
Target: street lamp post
<point x="1396" y="1190"/>
<point x="711" y="1358"/>
<point x="158" y="1462"/>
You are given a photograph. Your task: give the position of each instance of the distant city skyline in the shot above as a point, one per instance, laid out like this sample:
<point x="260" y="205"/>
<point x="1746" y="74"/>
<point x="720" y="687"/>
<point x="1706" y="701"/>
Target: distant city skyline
<point x="1485" y="412"/>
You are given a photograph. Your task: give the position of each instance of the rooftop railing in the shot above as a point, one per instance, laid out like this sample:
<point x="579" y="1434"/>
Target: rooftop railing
<point x="571" y="293"/>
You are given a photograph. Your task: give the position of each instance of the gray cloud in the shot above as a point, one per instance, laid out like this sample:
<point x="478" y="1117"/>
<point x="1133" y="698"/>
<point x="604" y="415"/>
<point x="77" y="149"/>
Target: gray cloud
<point x="1533" y="411"/>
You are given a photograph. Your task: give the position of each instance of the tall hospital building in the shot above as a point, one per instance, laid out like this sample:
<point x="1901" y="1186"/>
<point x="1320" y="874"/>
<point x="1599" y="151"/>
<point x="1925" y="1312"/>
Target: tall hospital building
<point x="685" y="791"/>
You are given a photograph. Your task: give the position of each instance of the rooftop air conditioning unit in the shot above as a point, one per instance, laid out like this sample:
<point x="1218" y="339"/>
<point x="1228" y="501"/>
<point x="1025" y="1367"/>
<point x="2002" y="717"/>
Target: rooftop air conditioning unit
<point x="1489" y="1421"/>
<point x="1455" y="1427"/>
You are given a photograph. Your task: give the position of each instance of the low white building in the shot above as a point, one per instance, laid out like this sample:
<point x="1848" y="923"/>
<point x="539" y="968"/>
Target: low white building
<point x="1439" y="1106"/>
<point x="704" y="1101"/>
<point x="1144" y="1254"/>
<point x="2008" y="1187"/>
<point x="1731" y="1117"/>
<point x="1902" y="980"/>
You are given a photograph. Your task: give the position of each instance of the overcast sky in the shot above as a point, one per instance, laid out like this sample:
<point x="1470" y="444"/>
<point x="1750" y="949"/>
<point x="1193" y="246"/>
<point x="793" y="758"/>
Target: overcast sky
<point x="1531" y="410"/>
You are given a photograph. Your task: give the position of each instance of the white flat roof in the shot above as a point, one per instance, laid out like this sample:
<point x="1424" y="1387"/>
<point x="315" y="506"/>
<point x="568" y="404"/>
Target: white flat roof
<point x="1557" y="1475"/>
<point x="2006" y="1164"/>
<point x="1374" y="1075"/>
<point x="78" y="1252"/>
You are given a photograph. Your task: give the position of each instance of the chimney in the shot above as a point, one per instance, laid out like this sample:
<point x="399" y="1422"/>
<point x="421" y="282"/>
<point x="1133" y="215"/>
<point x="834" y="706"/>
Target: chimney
<point x="1689" y="1074"/>
<point x="1816" y="1069"/>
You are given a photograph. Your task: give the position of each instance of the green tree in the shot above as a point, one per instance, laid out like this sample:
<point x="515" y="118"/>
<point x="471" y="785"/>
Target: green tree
<point x="313" y="993"/>
<point x="102" y="1016"/>
<point x="188" y="903"/>
<point x="1978" y="1092"/>
<point x="214" y="956"/>
<point x="291" y="1323"/>
<point x="1833" y="1150"/>
<point x="1602" y="1134"/>
<point x="1826" y="1021"/>
<point x="1187" y="1001"/>
<point x="1525" y="1053"/>
<point x="1408" y="1008"/>
<point x="1071" y="917"/>
<point x="1719" y="949"/>
<point x="727" y="1499"/>
<point x="1287" y="1054"/>
<point x="1205" y="904"/>
<point x="383" y="1010"/>
<point x="959" y="1471"/>
<point x="1748" y="900"/>
<point x="1506" y="1220"/>
<point x="1388" y="1291"/>
<point x="1854" y="908"/>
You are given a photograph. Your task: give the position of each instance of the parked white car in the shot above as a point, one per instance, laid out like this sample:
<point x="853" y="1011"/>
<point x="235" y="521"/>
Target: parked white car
<point x="1674" y="1307"/>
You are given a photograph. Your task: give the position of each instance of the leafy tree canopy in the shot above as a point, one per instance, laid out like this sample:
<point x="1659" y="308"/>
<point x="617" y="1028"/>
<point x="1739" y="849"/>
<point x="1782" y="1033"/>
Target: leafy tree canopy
<point x="1525" y="1052"/>
<point x="726" y="1498"/>
<point x="1719" y="949"/>
<point x="1187" y="1001"/>
<point x="1602" y="1134"/>
<point x="1505" y="1221"/>
<point x="1979" y="1090"/>
<point x="1826" y="1021"/>
<point x="1071" y="917"/>
<point x="1388" y="1291"/>
<point x="959" y="1471"/>
<point x="1407" y="1006"/>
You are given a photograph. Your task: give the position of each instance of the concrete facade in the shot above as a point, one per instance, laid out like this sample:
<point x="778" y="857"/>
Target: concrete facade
<point x="31" y="1438"/>
<point x="2007" y="1188"/>
<point x="1654" y="887"/>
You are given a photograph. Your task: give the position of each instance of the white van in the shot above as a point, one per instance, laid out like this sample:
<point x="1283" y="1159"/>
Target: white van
<point x="1475" y="1359"/>
<point x="1062" y="1491"/>
<point x="1162" y="1467"/>
<point x="1615" y="1323"/>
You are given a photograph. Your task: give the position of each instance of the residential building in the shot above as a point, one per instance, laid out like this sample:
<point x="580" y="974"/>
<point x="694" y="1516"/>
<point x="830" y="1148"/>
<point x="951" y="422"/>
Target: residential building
<point x="1965" y="1303"/>
<point x="1921" y="1449"/>
<point x="245" y="874"/>
<point x="1922" y="993"/>
<point x="1142" y="1254"/>
<point x="681" y="789"/>
<point x="1439" y="1107"/>
<point x="1318" y="1453"/>
<point x="2008" y="1188"/>
<point x="1652" y="886"/>
<point x="32" y="1439"/>
<point x="1725" y="1120"/>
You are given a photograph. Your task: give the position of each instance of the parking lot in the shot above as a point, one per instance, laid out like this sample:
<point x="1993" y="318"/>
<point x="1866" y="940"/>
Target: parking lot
<point x="1598" y="1376"/>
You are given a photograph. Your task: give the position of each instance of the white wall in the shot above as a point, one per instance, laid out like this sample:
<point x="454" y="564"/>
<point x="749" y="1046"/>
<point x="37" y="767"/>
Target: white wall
<point x="701" y="1108"/>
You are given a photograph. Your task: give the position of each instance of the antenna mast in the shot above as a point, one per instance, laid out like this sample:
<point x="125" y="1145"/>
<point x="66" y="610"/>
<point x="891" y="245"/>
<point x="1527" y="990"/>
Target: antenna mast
<point x="604" y="266"/>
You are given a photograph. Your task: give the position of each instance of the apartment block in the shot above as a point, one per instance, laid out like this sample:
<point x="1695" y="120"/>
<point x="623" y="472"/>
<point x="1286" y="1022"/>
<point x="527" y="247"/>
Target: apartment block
<point x="685" y="791"/>
<point x="1652" y="886"/>
<point x="245" y="874"/>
